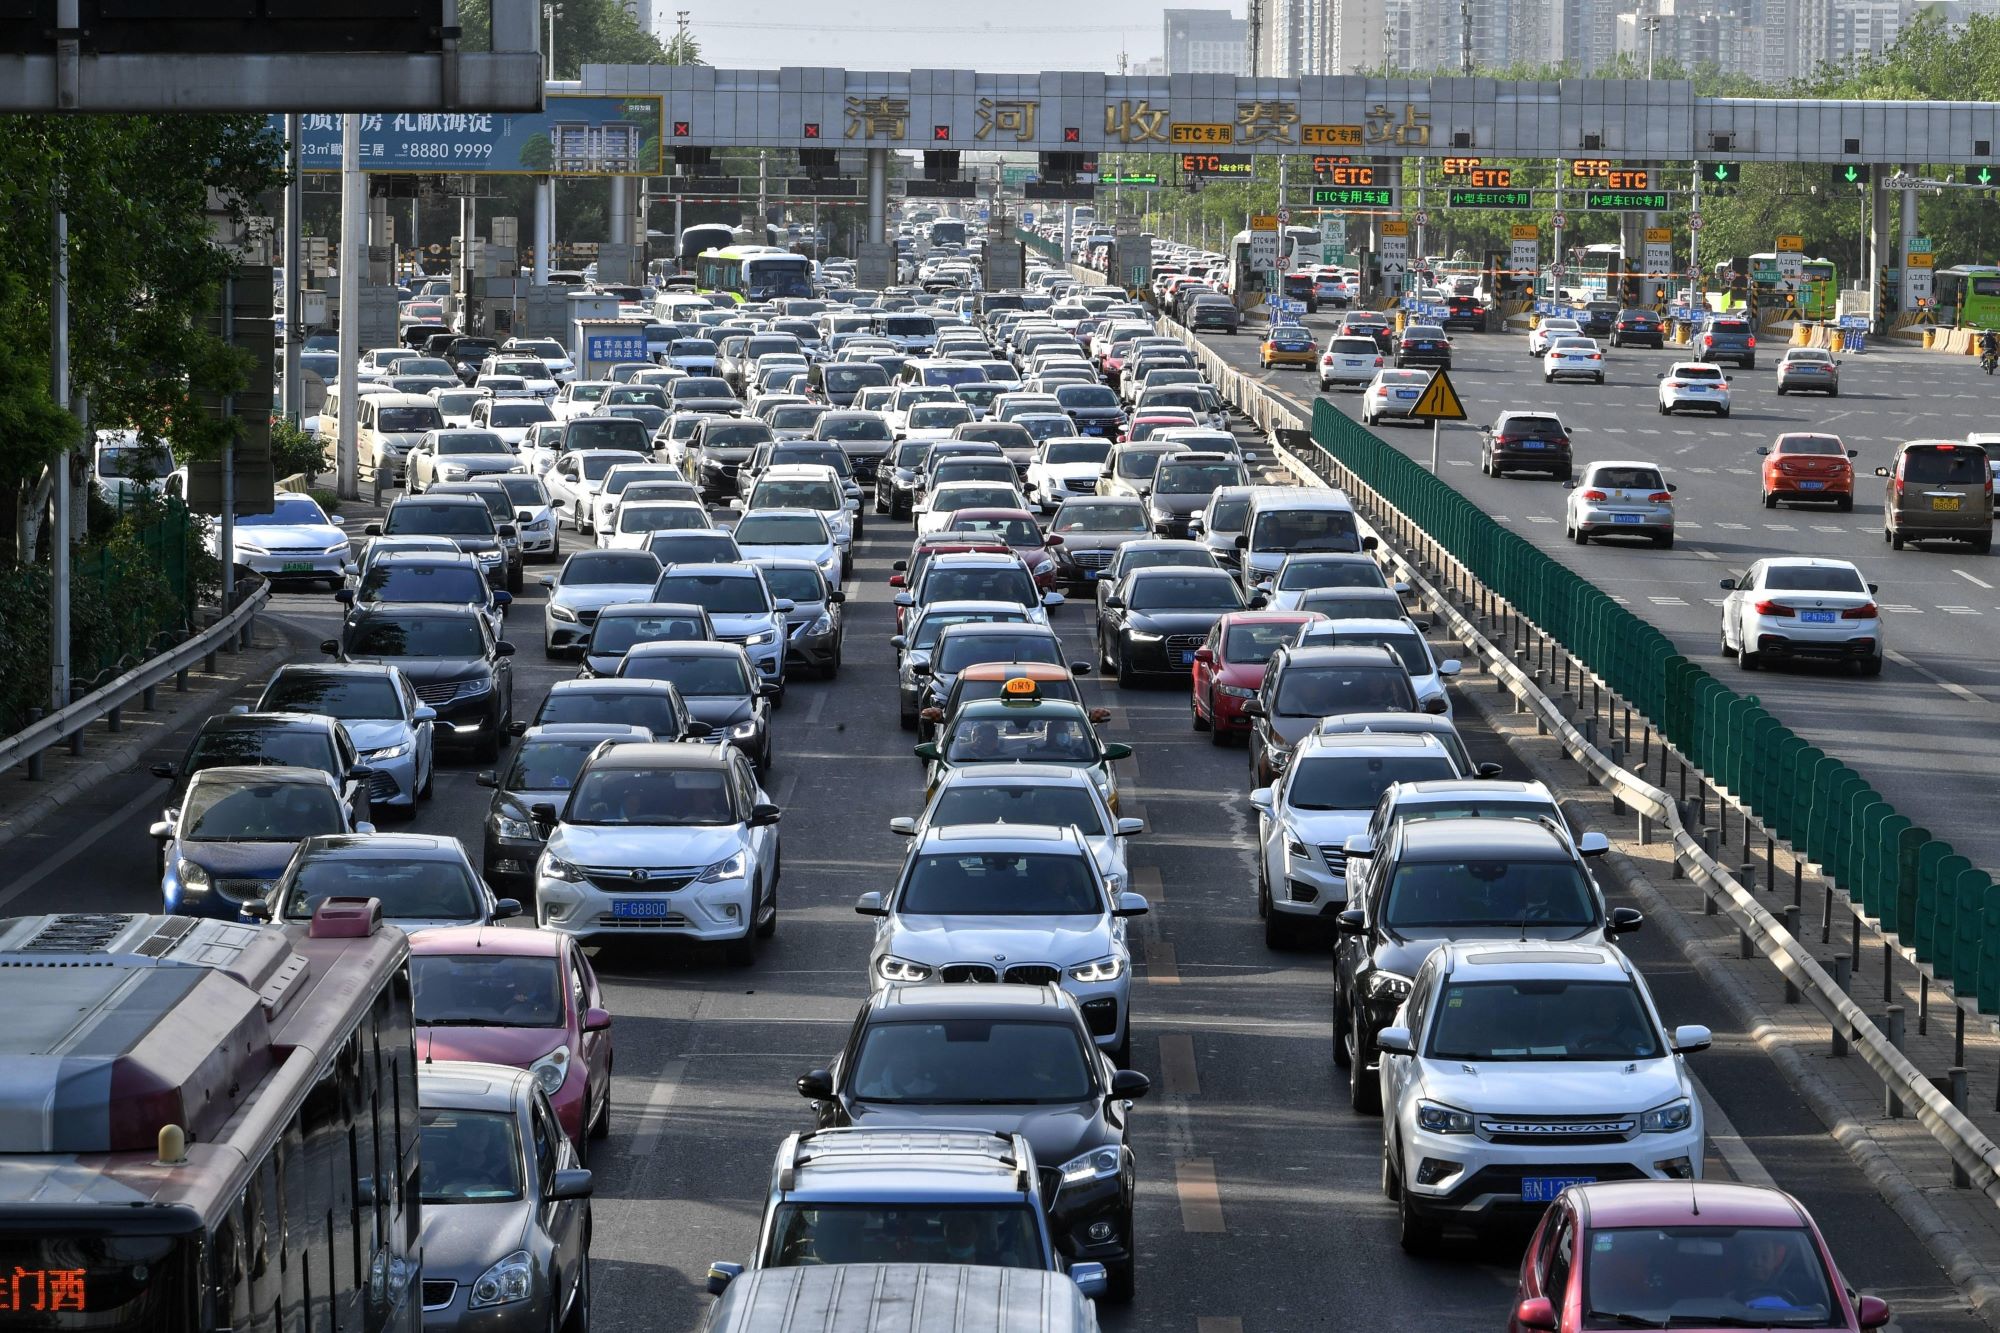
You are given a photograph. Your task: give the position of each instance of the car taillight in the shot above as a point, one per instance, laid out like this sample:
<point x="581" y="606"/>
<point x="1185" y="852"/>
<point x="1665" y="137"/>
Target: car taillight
<point x="1595" y="495"/>
<point x="1865" y="611"/>
<point x="1774" y="609"/>
<point x="1753" y="340"/>
<point x="1660" y="497"/>
<point x="1708" y="339"/>
<point x="1596" y="356"/>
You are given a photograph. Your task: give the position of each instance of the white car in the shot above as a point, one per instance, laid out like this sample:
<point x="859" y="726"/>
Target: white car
<point x="1392" y="393"/>
<point x="934" y="511"/>
<point x="503" y="386"/>
<point x="536" y="377"/>
<point x="574" y="480"/>
<point x="1401" y="637"/>
<point x="296" y="540"/>
<point x="1309" y="571"/>
<point x="1573" y="358"/>
<point x="588" y="582"/>
<point x="790" y="534"/>
<point x="1047" y="794"/>
<point x="604" y="502"/>
<point x="1066" y="466"/>
<point x="1517" y="1068"/>
<point x="510" y="419"/>
<point x="456" y="406"/>
<point x="546" y="350"/>
<point x="1549" y="329"/>
<point x="638" y="520"/>
<point x="578" y="398"/>
<point x="1026" y="903"/>
<point x="1802" y="607"/>
<point x="534" y="515"/>
<point x="935" y="421"/>
<point x="664" y="838"/>
<point x="1350" y="361"/>
<point x="813" y="486"/>
<point x="1694" y="385"/>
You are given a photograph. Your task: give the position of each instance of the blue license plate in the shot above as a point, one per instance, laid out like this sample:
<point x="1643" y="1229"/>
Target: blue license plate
<point x="1625" y="518"/>
<point x="1090" y="574"/>
<point x="1544" y="1189"/>
<point x="1817" y="617"/>
<point x="1186" y="657"/>
<point x="1534" y="444"/>
<point x="639" y="908"/>
<point x="1812" y="485"/>
<point x="1407" y="393"/>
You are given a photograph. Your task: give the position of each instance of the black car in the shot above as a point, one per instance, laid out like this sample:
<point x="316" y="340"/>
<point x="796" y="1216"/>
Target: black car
<point x="1182" y="486"/>
<point x="864" y="437"/>
<point x="1465" y="312"/>
<point x="1369" y="326"/>
<point x="467" y="355"/>
<point x="1598" y="318"/>
<point x="606" y="432"/>
<point x="623" y="626"/>
<point x="899" y="478"/>
<point x="1157" y="617"/>
<point x="1637" y="328"/>
<point x="719" y="449"/>
<point x="715" y="682"/>
<point x="501" y="505"/>
<point x="1214" y="313"/>
<point x="1013" y="1058"/>
<point x="544" y="770"/>
<point x="296" y="740"/>
<point x="1727" y="338"/>
<point x="452" y="658"/>
<point x="1093" y="408"/>
<point x="1439" y="881"/>
<point x="464" y="520"/>
<point x="1525" y="441"/>
<point x="1423" y="345"/>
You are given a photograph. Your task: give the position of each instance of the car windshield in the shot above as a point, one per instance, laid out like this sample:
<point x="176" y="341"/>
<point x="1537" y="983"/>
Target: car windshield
<point x="1356" y="782"/>
<point x="1012" y="531"/>
<point x="418" y="518"/>
<point x="488" y="990"/>
<point x="1813" y="578"/>
<point x="1826" y="445"/>
<point x="1543" y="1019"/>
<point x="1306" y="530"/>
<point x="547" y="764"/>
<point x="719" y="594"/>
<point x="1406" y="646"/>
<point x="410" y="889"/>
<point x="975" y="469"/>
<point x="145" y="462"/>
<point x="1300" y="575"/>
<point x="236" y="746"/>
<point x="1101" y="518"/>
<point x="1074" y="396"/>
<point x="708" y="675"/>
<point x="523" y="490"/>
<point x="1427" y="896"/>
<point x="1195" y="478"/>
<point x="469" y="1156"/>
<point x="614" y="634"/>
<point x="869" y="427"/>
<point x="967" y="648"/>
<point x="928" y="629"/>
<point x="654" y="712"/>
<point x="939" y="416"/>
<point x="782" y="530"/>
<point x="1023" y="740"/>
<point x="1626" y="478"/>
<point x="664" y="517"/>
<point x="797" y="585"/>
<point x="1079" y="451"/>
<point x="982" y="584"/>
<point x="288" y="511"/>
<point x="459" y="404"/>
<point x="850" y="376"/>
<point x="518" y="414"/>
<point x="821" y="495"/>
<point x="1135" y="463"/>
<point x="590" y="570"/>
<point x="1960" y="465"/>
<point x="1185" y="592"/>
<point x="1000" y="884"/>
<point x="259" y="812"/>
<point x="700" y="386"/>
<point x="796" y="416"/>
<point x="971" y="1062"/>
<point x="1696" y="373"/>
<point x="1066" y="805"/>
<point x="1256" y="642"/>
<point x="394" y="581"/>
<point x="1322" y="691"/>
<point x="1227" y="515"/>
<point x="407" y="420"/>
<point x="416" y="636"/>
<point x="1712" y="1276"/>
<point x="695" y="547"/>
<point x="658" y="797"/>
<point x="348" y="697"/>
<point x="988" y="1236"/>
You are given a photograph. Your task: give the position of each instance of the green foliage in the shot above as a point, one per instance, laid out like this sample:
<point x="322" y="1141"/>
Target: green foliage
<point x="588" y="32"/>
<point x="295" y="452"/>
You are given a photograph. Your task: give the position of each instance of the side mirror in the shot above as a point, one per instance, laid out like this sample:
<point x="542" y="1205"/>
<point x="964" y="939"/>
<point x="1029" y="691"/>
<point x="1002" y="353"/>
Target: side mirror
<point x="870" y="904"/>
<point x="257" y="909"/>
<point x="573" y="1183"/>
<point x="1358" y="845"/>
<point x="835" y="597"/>
<point x="503" y="649"/>
<point x="1130" y="1083"/>
<point x="1052" y="540"/>
<point x="1252" y="708"/>
<point x="1625" y="920"/>
<point x="1874" y="587"/>
<point x="816" y="1084"/>
<point x="1450" y="667"/>
<point x="1763" y="451"/>
<point x="487" y="778"/>
<point x="1396" y="1040"/>
<point x="920" y="669"/>
<point x="1727" y="585"/>
<point x="163" y="769"/>
<point x="899" y="641"/>
<point x="519" y="727"/>
<point x="1437" y="705"/>
<point x="903" y="826"/>
<point x="1856" y="453"/>
<point x="548" y="581"/>
<point x="928" y="751"/>
<point x="1593" y="844"/>
<point x="344" y="596"/>
<point x="161" y="829"/>
<point x="506" y="532"/>
<point x="1570" y="485"/>
<point x="1881" y="472"/>
<point x="1117" y="750"/>
<point x="331" y="647"/>
<point x="596" y="1019"/>
<point x="1052" y="600"/>
<point x="1353" y="921"/>
<point x="904" y="599"/>
<point x="1129" y="827"/>
<point x="1114" y="602"/>
<point x="1537" y="1313"/>
<point x="764" y="815"/>
<point x="1871" y="1312"/>
<point x="898" y="581"/>
<point x="1242" y="541"/>
<point x="1369" y="543"/>
<point x="506" y="908"/>
<point x="1131" y="904"/>
<point x="373" y="530"/>
<point x="1692" y="1037"/>
<point x="1261" y="799"/>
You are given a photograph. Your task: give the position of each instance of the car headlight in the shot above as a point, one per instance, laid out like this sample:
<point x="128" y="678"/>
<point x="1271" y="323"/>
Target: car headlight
<point x="1043" y="564"/>
<point x="1672" y="1118"/>
<point x="744" y="730"/>
<point x="551" y="1069"/>
<point x="193" y="878"/>
<point x="761" y="637"/>
<point x="516" y="829"/>
<point x="1388" y="986"/>
<point x="249" y="548"/>
<point x="1109" y="968"/>
<point x="1097" y="1164"/>
<point x="510" y="1280"/>
<point x="489" y="557"/>
<point x="336" y="548"/>
<point x="1279" y="758"/>
<point x="1236" y="691"/>
<point x="1297" y="850"/>
<point x="387" y="752"/>
<point x="1436" y="1118"/>
<point x="892" y="968"/>
<point x="453" y="473"/>
<point x="554" y="867"/>
<point x="822" y="624"/>
<point x="730" y="867"/>
<point x="1142" y="636"/>
<point x="557" y="611"/>
<point x="538" y="525"/>
<point x="468" y="689"/>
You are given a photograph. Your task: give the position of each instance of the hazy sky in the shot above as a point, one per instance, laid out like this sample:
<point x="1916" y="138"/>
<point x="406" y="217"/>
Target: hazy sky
<point x="1016" y="35"/>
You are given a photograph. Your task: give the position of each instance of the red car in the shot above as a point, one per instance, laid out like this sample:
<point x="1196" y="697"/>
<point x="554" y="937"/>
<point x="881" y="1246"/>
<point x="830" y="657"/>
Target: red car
<point x="1144" y="427"/>
<point x="526" y="998"/>
<point x="1701" y="1256"/>
<point x="1808" y="465"/>
<point x="1229" y="667"/>
<point x="1017" y="530"/>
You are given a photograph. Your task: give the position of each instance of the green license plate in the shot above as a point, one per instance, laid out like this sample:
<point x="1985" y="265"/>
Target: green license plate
<point x="297" y="566"/>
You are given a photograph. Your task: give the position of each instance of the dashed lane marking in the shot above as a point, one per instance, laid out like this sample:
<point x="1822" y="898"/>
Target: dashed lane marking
<point x="1735" y="527"/>
<point x="1902" y="609"/>
<point x="666" y="1087"/>
<point x="1959" y="610"/>
<point x="1948" y="686"/>
<point x="1736" y="1154"/>
<point x="1177" y="1072"/>
<point x="1668" y="601"/>
<point x="1975" y="582"/>
<point x="1215" y="1324"/>
<point x="1201" y="1201"/>
<point x="1828" y="527"/>
<point x="1540" y="518"/>
<point x="1162" y="969"/>
<point x="1146" y="881"/>
<point x="1780" y="527"/>
<point x="1708" y="470"/>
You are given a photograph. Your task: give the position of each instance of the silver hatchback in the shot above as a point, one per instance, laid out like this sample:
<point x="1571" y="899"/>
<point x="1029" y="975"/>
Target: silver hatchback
<point x="1623" y="498"/>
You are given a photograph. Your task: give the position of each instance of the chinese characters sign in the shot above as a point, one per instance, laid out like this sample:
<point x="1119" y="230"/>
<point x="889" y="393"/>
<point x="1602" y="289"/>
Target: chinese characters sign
<point x="43" y="1290"/>
<point x="615" y="347"/>
<point x="571" y="136"/>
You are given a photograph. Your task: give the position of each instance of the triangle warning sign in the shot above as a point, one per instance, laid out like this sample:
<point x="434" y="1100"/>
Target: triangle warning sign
<point x="1439" y="401"/>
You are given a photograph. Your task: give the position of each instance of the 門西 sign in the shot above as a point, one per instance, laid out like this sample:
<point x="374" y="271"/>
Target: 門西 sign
<point x="571" y="136"/>
<point x="615" y="347"/>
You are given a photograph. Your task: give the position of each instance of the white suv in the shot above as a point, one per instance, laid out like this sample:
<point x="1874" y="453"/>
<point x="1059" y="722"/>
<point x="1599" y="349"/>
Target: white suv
<point x="1517" y="1068"/>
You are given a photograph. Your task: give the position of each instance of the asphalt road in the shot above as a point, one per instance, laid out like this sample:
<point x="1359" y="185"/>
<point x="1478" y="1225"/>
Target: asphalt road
<point x="1931" y="715"/>
<point x="1259" y="1200"/>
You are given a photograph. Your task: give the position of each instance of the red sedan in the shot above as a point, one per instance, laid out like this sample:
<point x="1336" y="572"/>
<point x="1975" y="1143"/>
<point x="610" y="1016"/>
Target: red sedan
<point x="1017" y="529"/>
<point x="1808" y="465"/>
<point x="526" y="998"/>
<point x="1702" y="1256"/>
<point x="1229" y="667"/>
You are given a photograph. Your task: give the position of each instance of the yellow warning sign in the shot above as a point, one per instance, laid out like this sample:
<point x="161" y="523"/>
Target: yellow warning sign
<point x="1439" y="401"/>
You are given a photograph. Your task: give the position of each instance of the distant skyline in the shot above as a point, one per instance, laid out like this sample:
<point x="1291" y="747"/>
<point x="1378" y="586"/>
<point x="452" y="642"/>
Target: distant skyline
<point x="1020" y="36"/>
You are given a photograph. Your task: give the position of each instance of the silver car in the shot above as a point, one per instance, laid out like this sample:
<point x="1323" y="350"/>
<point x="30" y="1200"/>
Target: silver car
<point x="1812" y="368"/>
<point x="1392" y="393"/>
<point x="391" y="728"/>
<point x="1620" y="498"/>
<point x="588" y="582"/>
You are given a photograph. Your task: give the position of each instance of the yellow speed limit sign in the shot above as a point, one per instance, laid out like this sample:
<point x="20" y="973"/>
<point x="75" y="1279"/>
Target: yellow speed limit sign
<point x="1659" y="235"/>
<point x="1395" y="229"/>
<point x="1791" y="245"/>
<point x="1526" y="231"/>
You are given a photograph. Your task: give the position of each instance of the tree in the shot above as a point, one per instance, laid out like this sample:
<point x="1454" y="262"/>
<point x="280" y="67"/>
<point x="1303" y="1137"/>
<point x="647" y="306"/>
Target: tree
<point x="588" y="32"/>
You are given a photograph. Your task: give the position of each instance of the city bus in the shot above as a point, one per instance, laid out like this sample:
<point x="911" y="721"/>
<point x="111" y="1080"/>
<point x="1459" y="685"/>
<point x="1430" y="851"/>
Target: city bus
<point x="753" y="273"/>
<point x="948" y="231"/>
<point x="702" y="237"/>
<point x="1968" y="296"/>
<point x="208" y="1124"/>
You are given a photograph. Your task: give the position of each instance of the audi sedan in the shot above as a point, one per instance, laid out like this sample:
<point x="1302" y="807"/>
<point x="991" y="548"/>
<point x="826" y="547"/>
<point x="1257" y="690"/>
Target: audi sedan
<point x="1423" y="345"/>
<point x="1157" y="618"/>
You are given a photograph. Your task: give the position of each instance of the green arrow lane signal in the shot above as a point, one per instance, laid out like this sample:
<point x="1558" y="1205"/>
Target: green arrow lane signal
<point x="1985" y="176"/>
<point x="1726" y="173"/>
<point x="1853" y="175"/>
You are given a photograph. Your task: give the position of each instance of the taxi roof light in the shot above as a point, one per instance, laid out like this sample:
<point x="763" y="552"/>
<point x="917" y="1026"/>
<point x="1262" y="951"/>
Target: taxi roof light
<point x="1021" y="689"/>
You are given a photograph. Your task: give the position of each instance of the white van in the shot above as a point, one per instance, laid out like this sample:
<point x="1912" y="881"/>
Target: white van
<point x="1286" y="520"/>
<point x="889" y="1298"/>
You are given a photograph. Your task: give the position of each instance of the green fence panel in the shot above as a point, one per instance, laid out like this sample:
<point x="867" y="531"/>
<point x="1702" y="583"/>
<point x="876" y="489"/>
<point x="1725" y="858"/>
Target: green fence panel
<point x="1944" y="931"/>
<point x="1910" y="843"/>
<point x="1880" y="826"/>
<point x="1767" y="748"/>
<point x="1850" y="797"/>
<point x="1989" y="952"/>
<point x="1924" y="933"/>
<point x="1972" y="887"/>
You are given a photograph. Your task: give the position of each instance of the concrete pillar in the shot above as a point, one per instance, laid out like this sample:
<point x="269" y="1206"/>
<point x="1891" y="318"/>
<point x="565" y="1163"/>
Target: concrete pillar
<point x="620" y="210"/>
<point x="878" y="195"/>
<point x="1881" y="237"/>
<point x="347" y="473"/>
<point x="545" y="208"/>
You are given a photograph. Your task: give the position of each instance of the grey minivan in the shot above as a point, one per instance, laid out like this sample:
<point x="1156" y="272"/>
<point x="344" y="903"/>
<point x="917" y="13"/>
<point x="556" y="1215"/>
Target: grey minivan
<point x="1938" y="488"/>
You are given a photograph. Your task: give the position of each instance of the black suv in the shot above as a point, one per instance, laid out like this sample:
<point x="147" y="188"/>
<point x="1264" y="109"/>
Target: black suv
<point x="1640" y="328"/>
<point x="1597" y="318"/>
<point x="1013" y="1058"/>
<point x="1467" y="312"/>
<point x="1525" y="442"/>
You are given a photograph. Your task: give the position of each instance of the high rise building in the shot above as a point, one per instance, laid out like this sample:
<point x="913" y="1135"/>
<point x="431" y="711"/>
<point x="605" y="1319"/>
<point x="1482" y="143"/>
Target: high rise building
<point x="1357" y="35"/>
<point x="1205" y="41"/>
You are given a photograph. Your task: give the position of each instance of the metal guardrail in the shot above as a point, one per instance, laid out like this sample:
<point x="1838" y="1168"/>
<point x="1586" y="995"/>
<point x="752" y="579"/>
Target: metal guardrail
<point x="1970" y="1149"/>
<point x="108" y="701"/>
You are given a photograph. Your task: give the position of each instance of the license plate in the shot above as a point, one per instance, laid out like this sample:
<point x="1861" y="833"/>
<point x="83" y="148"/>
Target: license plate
<point x="1944" y="502"/>
<point x="1534" y="444"/>
<point x="639" y="908"/>
<point x="305" y="566"/>
<point x="1544" y="1189"/>
<point x="1811" y="485"/>
<point x="1186" y="657"/>
<point x="1091" y="574"/>
<point x="1817" y="617"/>
<point x="1625" y="518"/>
<point x="1407" y="393"/>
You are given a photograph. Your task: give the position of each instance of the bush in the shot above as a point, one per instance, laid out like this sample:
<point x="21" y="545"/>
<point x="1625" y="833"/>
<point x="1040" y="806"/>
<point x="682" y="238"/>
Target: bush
<point x="294" y="452"/>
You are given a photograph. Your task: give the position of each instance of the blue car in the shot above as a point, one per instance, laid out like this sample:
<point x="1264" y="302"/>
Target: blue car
<point x="234" y="832"/>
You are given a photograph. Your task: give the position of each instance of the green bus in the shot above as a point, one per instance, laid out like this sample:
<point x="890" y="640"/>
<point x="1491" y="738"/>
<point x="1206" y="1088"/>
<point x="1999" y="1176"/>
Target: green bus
<point x="752" y="273"/>
<point x="1968" y="296"/>
<point x="1818" y="290"/>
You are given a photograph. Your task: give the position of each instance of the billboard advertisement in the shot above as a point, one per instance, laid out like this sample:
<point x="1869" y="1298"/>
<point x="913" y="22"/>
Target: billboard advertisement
<point x="571" y="136"/>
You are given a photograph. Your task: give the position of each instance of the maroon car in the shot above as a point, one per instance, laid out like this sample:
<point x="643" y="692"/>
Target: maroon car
<point x="526" y="998"/>
<point x="1229" y="667"/>
<point x="1014" y="528"/>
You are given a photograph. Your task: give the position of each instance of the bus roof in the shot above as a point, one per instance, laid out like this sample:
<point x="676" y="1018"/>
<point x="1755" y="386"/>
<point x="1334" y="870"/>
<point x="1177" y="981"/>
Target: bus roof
<point x="751" y="252"/>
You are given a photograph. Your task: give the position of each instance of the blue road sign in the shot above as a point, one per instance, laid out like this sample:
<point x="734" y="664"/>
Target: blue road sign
<point x="572" y="136"/>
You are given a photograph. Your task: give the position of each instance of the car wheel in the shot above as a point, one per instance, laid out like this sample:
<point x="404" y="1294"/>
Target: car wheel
<point x="1781" y="391"/>
<point x="579" y="1310"/>
<point x="1343" y="1029"/>
<point x="1392" y="1184"/>
<point x="1871" y="666"/>
<point x="1750" y="364"/>
<point x="1895" y="540"/>
<point x="1770" y="499"/>
<point x="766" y="929"/>
<point x="1582" y="537"/>
<point x="1194" y="714"/>
<point x="1600" y="379"/>
<point x="847" y="564"/>
<point x="742" y="952"/>
<point x="1665" y="541"/>
<point x="1127" y="678"/>
<point x="832" y="667"/>
<point x="1119" y="1282"/>
<point x="1845" y="504"/>
<point x="1833" y="392"/>
<point x="516" y="580"/>
<point x="489" y="741"/>
<point x="1121" y="1054"/>
<point x="1417" y="1235"/>
<point x="1722" y="640"/>
<point x="1724" y="414"/>
<point x="600" y="1126"/>
<point x="430" y="780"/>
<point x="1748" y="660"/>
<point x="1665" y="410"/>
<point x="778" y="699"/>
<point x="1983" y="545"/>
<point x="1364" y="1090"/>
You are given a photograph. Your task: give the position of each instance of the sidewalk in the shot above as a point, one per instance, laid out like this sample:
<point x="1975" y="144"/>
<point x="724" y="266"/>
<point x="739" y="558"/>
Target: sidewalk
<point x="1959" y="1227"/>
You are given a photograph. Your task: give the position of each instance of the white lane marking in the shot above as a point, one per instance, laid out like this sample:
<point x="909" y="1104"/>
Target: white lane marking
<point x="1709" y="470"/>
<point x="1459" y="462"/>
<point x="818" y="707"/>
<point x="1540" y="518"/>
<point x="1707" y="555"/>
<point x="1741" y="471"/>
<point x="1902" y="609"/>
<point x="1729" y="1144"/>
<point x="1948" y="686"/>
<point x="1613" y="430"/>
<point x="1975" y="582"/>
<point x="1959" y="610"/>
<point x="1734" y="527"/>
<point x="1685" y="525"/>
<point x="1779" y="527"/>
<point x="1827" y="527"/>
<point x="1622" y="601"/>
<point x="1668" y="601"/>
<point x="653" y="1120"/>
<point x="87" y="839"/>
<point x="1716" y="601"/>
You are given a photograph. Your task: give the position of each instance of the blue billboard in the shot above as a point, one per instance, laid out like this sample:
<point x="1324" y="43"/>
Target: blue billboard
<point x="570" y="136"/>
